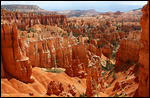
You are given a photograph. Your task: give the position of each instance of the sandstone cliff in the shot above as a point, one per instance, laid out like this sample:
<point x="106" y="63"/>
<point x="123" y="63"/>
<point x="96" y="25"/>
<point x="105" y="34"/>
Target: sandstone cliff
<point x="95" y="81"/>
<point x="14" y="60"/>
<point x="143" y="90"/>
<point x="27" y="20"/>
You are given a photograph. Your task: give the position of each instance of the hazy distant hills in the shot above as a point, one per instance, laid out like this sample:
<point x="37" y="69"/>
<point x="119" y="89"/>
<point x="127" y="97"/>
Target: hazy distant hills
<point x="68" y="13"/>
<point x="78" y="13"/>
<point x="35" y="8"/>
<point x="24" y="8"/>
<point x="136" y="9"/>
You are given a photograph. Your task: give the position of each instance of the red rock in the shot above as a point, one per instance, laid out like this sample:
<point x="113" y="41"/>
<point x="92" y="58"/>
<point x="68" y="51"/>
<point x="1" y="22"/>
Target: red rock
<point x="80" y="52"/>
<point x="31" y="94"/>
<point x="118" y="13"/>
<point x="54" y="88"/>
<point x="106" y="51"/>
<point x="15" y="61"/>
<point x="72" y="89"/>
<point x="116" y="86"/>
<point x="126" y="50"/>
<point x="22" y="20"/>
<point x="2" y="69"/>
<point x="143" y="90"/>
<point x="92" y="49"/>
<point x="94" y="82"/>
<point x="123" y="84"/>
<point x="92" y="41"/>
<point x="78" y="69"/>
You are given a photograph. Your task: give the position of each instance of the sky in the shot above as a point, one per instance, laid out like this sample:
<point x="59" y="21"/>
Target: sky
<point x="100" y="6"/>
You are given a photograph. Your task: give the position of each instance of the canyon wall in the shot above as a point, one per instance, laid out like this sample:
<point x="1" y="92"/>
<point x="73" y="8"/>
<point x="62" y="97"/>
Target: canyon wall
<point x="95" y="81"/>
<point x="143" y="90"/>
<point x="128" y="52"/>
<point x="61" y="52"/>
<point x="13" y="56"/>
<point x="134" y="50"/>
<point x="22" y="20"/>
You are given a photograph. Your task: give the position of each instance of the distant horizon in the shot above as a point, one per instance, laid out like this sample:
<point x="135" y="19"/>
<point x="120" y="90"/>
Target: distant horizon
<point x="99" y="6"/>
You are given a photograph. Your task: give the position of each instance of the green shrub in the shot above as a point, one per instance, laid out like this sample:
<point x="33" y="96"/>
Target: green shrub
<point x="79" y="81"/>
<point x="29" y="30"/>
<point x="75" y="35"/>
<point x="128" y="61"/>
<point x="114" y="43"/>
<point x="104" y="74"/>
<point x="22" y="34"/>
<point x="61" y="22"/>
<point x="63" y="35"/>
<point x="83" y="35"/>
<point x="100" y="46"/>
<point x="34" y="31"/>
<point x="83" y="95"/>
<point x="131" y="83"/>
<point x="33" y="35"/>
<point x="116" y="95"/>
<point x="123" y="94"/>
<point x="114" y="76"/>
<point x="125" y="71"/>
<point x="22" y="29"/>
<point x="109" y="85"/>
<point x="74" y="26"/>
<point x="54" y="70"/>
<point x="109" y="65"/>
<point x="113" y="54"/>
<point x="88" y="41"/>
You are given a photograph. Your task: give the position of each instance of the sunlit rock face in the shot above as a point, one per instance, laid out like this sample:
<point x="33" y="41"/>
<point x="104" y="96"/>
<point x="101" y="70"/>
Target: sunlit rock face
<point x="22" y="20"/>
<point x="128" y="52"/>
<point x="63" y="52"/>
<point x="143" y="90"/>
<point x="106" y="51"/>
<point x="95" y="81"/>
<point x="59" y="89"/>
<point x="14" y="60"/>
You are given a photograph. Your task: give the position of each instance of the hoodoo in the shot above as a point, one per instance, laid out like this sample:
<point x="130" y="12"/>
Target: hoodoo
<point x="74" y="53"/>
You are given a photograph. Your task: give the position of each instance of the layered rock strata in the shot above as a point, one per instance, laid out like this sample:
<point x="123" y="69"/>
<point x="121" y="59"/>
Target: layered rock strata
<point x="61" y="52"/>
<point x="58" y="89"/>
<point x="128" y="52"/>
<point x="95" y="81"/>
<point x="14" y="60"/>
<point x="143" y="90"/>
<point x="22" y="20"/>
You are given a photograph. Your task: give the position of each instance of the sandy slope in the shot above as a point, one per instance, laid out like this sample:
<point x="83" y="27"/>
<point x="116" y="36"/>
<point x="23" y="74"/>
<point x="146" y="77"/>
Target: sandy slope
<point x="17" y="88"/>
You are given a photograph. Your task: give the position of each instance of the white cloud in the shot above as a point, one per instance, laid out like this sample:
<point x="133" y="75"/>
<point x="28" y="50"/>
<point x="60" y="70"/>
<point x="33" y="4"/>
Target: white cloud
<point x="133" y="2"/>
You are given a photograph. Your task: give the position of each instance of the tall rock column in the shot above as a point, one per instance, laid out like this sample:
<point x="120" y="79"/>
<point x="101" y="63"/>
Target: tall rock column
<point x="14" y="59"/>
<point x="95" y="81"/>
<point x="143" y="90"/>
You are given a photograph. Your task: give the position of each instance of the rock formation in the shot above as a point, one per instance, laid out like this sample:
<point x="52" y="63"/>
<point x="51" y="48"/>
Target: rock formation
<point x="95" y="82"/>
<point x="128" y="52"/>
<point x="22" y="20"/>
<point x="58" y="89"/>
<point x="14" y="60"/>
<point x="54" y="88"/>
<point x="61" y="52"/>
<point x="106" y="51"/>
<point x="143" y="90"/>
